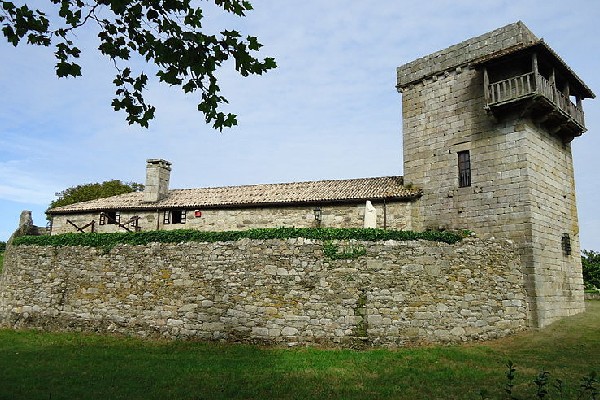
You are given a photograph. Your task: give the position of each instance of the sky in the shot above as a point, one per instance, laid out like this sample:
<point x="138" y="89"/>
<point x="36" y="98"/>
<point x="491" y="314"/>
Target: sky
<point x="329" y="111"/>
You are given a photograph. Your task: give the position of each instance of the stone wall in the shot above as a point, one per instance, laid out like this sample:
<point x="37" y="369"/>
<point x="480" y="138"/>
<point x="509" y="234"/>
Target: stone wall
<point x="272" y="291"/>
<point x="555" y="274"/>
<point x="393" y="215"/>
<point x="430" y="155"/>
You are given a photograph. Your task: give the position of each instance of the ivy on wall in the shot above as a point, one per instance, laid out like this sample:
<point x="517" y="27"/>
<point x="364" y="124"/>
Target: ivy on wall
<point x="342" y="252"/>
<point x="109" y="240"/>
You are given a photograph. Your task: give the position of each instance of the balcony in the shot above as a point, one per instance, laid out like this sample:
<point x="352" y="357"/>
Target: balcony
<point x="538" y="96"/>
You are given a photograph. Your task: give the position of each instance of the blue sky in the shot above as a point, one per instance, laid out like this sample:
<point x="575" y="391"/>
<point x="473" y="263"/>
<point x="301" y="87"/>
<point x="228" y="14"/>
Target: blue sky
<point x="330" y="110"/>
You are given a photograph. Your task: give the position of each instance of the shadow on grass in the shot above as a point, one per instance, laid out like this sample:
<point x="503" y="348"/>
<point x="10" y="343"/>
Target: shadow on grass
<point x="38" y="365"/>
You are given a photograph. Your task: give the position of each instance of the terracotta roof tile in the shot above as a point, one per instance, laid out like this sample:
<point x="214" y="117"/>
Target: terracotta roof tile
<point x="325" y="191"/>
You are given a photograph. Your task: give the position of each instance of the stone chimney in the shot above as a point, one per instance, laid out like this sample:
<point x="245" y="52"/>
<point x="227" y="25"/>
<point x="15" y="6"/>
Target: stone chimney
<point x="158" y="173"/>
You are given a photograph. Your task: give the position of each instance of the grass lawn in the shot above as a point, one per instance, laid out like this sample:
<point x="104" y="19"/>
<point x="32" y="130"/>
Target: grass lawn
<point x="38" y="365"/>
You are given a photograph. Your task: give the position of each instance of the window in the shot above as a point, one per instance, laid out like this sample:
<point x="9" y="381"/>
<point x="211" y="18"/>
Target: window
<point x="566" y="244"/>
<point x="110" y="217"/>
<point x="175" y="217"/>
<point x="464" y="168"/>
<point x="178" y="217"/>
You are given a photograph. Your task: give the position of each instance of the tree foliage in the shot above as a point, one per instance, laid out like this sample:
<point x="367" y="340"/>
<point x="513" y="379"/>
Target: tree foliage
<point x="167" y="33"/>
<point x="92" y="191"/>
<point x="590" y="261"/>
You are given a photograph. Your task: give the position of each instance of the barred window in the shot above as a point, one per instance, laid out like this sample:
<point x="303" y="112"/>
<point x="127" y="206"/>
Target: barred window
<point x="464" y="168"/>
<point x="566" y="244"/>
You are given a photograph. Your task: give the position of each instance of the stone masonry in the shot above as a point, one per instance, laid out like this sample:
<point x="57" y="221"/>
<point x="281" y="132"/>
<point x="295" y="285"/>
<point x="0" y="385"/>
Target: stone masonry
<point x="392" y="215"/>
<point x="487" y="127"/>
<point x="522" y="183"/>
<point x="272" y="291"/>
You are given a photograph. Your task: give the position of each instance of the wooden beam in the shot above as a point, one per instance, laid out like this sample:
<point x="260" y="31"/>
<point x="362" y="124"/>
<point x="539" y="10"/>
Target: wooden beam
<point x="542" y="119"/>
<point x="556" y="129"/>
<point x="486" y="85"/>
<point x="536" y="73"/>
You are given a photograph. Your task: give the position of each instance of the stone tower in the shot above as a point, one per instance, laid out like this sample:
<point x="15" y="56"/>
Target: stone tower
<point x="487" y="126"/>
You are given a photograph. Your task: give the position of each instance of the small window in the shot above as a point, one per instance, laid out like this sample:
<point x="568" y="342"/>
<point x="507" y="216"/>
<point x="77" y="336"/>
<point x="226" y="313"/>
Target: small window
<point x="175" y="217"/>
<point x="110" y="217"/>
<point x="566" y="244"/>
<point x="178" y="216"/>
<point x="464" y="169"/>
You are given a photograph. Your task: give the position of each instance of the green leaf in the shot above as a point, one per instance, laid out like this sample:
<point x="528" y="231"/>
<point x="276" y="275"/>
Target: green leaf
<point x="167" y="33"/>
<point x="328" y="235"/>
<point x="152" y="14"/>
<point x="65" y="69"/>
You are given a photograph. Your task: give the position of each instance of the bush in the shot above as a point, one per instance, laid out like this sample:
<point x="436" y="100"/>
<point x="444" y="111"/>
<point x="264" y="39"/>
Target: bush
<point x="2" y="246"/>
<point x="590" y="262"/>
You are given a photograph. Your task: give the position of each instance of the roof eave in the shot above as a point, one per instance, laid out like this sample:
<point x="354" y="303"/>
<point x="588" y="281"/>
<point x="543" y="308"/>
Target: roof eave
<point x="401" y="198"/>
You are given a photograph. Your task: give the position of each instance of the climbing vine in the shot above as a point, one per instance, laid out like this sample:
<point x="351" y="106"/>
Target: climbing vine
<point x="343" y="252"/>
<point x="109" y="240"/>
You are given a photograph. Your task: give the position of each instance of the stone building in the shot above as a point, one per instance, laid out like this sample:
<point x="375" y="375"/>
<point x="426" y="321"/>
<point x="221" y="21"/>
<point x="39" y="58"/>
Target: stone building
<point x="487" y="127"/>
<point x="327" y="203"/>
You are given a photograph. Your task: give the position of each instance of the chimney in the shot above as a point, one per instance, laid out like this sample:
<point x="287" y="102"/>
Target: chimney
<point x="158" y="173"/>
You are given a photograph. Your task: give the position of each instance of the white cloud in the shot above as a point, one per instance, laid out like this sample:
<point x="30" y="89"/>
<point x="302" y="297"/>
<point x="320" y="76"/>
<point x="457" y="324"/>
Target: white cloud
<point x="19" y="185"/>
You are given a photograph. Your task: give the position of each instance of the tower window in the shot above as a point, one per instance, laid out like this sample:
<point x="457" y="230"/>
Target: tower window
<point x="566" y="244"/>
<point x="464" y="168"/>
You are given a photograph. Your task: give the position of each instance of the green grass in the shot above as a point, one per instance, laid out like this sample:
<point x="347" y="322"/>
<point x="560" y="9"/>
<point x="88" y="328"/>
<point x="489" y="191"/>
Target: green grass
<point x="35" y="365"/>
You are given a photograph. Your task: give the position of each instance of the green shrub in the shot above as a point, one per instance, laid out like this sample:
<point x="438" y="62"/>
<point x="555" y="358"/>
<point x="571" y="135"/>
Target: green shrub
<point x="590" y="262"/>
<point x="2" y="246"/>
<point x="337" y="252"/>
<point x="109" y="240"/>
<point x="544" y="387"/>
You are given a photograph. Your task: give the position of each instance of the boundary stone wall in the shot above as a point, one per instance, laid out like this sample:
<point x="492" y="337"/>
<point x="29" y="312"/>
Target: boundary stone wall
<point x="271" y="291"/>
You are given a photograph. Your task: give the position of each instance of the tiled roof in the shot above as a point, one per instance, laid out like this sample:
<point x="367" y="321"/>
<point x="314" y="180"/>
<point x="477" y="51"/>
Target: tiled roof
<point x="326" y="191"/>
